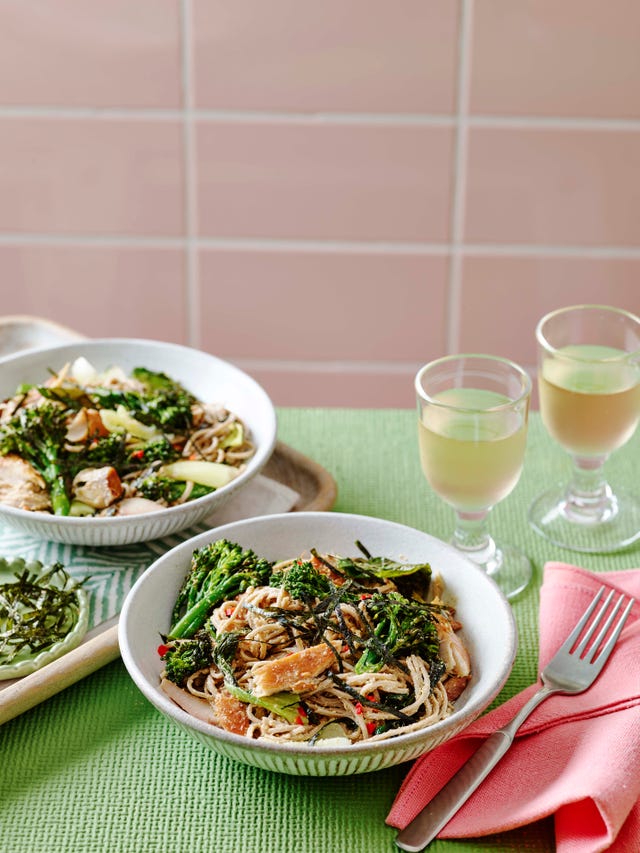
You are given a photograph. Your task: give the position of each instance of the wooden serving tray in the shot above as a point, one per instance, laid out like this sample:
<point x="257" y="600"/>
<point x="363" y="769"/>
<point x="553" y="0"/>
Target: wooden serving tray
<point x="314" y="484"/>
<point x="317" y="490"/>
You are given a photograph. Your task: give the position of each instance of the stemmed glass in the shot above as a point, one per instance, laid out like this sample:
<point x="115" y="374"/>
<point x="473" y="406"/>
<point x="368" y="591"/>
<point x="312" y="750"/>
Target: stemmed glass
<point x="589" y="383"/>
<point x="472" y="427"/>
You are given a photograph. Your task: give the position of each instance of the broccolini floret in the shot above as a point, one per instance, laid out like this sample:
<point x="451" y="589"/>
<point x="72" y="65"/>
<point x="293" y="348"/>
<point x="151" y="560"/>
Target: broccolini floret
<point x="38" y="435"/>
<point x="162" y="402"/>
<point x="184" y="657"/>
<point x="399" y="627"/>
<point x="155" y="487"/>
<point x="155" y="450"/>
<point x="302" y="581"/>
<point x="107" y="450"/>
<point x="219" y="571"/>
<point x="165" y="401"/>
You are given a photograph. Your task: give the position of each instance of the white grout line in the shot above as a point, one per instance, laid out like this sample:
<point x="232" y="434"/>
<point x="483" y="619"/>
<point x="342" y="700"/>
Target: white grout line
<point x="459" y="178"/>
<point x="190" y="178"/>
<point x="91" y="113"/>
<point x="315" y="366"/>
<point x="553" y="123"/>
<point x="9" y="238"/>
<point x="525" y="250"/>
<point x="506" y="250"/>
<point x="313" y="118"/>
<point x="377" y="247"/>
<point x="377" y="368"/>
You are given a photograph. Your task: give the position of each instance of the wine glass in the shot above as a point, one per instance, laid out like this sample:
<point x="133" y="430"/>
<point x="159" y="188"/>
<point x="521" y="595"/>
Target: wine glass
<point x="472" y="430"/>
<point x="589" y="383"/>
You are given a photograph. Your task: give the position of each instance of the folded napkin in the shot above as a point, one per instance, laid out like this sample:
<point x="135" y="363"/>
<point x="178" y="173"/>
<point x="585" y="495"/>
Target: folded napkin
<point x="576" y="757"/>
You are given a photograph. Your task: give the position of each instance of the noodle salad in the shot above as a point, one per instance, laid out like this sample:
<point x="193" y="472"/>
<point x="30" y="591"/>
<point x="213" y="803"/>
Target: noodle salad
<point x="89" y="443"/>
<point x="314" y="647"/>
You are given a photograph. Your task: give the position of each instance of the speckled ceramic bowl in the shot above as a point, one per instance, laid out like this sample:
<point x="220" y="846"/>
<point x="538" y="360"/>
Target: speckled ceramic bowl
<point x="489" y="632"/>
<point x="209" y="378"/>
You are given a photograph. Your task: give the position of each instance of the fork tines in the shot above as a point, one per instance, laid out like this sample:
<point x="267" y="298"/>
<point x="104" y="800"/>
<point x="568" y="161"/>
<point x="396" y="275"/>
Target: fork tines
<point x="589" y="654"/>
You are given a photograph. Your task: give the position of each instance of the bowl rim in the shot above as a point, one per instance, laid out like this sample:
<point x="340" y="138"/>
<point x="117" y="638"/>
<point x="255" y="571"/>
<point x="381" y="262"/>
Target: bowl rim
<point x="253" y="466"/>
<point x="166" y="706"/>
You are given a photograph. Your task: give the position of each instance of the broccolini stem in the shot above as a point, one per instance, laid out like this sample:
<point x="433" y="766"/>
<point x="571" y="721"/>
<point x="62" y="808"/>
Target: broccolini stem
<point x="195" y="616"/>
<point x="59" y="500"/>
<point x="54" y="478"/>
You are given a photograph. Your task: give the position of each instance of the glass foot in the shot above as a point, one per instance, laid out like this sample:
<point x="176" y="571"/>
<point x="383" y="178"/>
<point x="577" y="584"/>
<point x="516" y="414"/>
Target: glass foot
<point x="506" y="565"/>
<point x="610" y="524"/>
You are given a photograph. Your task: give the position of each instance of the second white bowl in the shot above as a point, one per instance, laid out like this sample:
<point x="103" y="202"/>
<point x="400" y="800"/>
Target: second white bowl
<point x="488" y="631"/>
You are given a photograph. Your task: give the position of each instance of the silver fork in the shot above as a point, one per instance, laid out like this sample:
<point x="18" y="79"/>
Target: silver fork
<point x="571" y="670"/>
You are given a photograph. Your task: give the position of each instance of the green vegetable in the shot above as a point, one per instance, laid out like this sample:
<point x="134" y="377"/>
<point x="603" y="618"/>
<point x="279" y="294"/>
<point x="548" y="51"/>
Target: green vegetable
<point x="184" y="657"/>
<point x="38" y="435"/>
<point x="413" y="580"/>
<point x="233" y="438"/>
<point x="399" y="627"/>
<point x="218" y="571"/>
<point x="155" y="381"/>
<point x="157" y="449"/>
<point x="37" y="610"/>
<point x="120" y="419"/>
<point x="332" y="731"/>
<point x="302" y="581"/>
<point x="79" y="509"/>
<point x="284" y="704"/>
<point x="155" y="487"/>
<point x="162" y="403"/>
<point x="212" y="474"/>
<point x="97" y="452"/>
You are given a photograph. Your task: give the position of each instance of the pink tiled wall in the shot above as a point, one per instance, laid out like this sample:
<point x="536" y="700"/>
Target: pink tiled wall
<point x="327" y="194"/>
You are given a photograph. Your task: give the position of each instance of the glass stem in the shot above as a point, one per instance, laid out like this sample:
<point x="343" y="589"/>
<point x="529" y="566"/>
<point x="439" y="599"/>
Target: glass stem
<point x="589" y="498"/>
<point x="472" y="536"/>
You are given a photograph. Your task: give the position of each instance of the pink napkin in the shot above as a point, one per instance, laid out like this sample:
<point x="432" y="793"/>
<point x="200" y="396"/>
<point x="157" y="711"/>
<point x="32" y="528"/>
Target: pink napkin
<point x="576" y="757"/>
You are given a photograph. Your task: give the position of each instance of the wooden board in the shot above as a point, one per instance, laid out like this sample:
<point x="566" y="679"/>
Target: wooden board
<point x="314" y="484"/>
<point x="317" y="490"/>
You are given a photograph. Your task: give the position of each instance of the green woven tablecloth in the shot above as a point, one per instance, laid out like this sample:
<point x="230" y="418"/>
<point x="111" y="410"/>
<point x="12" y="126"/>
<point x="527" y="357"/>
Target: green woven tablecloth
<point x="97" y="769"/>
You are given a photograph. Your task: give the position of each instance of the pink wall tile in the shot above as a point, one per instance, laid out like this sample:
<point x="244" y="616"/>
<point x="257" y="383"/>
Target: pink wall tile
<point x="90" y="53"/>
<point x="574" y="58"/>
<point x="324" y="181"/>
<point x="360" y="56"/>
<point x="88" y="176"/>
<point x="324" y="306"/>
<point x="100" y="292"/>
<point x="571" y="187"/>
<point x="347" y="388"/>
<point x="504" y="297"/>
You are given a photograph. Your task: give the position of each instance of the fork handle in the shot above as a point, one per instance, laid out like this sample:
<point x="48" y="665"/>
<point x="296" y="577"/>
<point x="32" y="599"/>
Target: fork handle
<point x="437" y="813"/>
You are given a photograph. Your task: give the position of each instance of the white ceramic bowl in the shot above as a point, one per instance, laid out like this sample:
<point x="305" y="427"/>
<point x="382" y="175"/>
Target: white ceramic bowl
<point x="489" y="632"/>
<point x="208" y="378"/>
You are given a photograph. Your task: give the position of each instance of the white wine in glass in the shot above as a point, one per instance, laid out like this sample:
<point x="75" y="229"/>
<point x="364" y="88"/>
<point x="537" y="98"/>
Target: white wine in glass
<point x="472" y="433"/>
<point x="589" y="384"/>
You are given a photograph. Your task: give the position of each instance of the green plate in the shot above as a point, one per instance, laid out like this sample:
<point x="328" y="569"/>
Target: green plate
<point x="27" y="661"/>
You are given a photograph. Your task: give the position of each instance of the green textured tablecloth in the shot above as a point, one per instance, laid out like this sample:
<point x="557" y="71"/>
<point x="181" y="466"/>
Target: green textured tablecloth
<point x="97" y="769"/>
